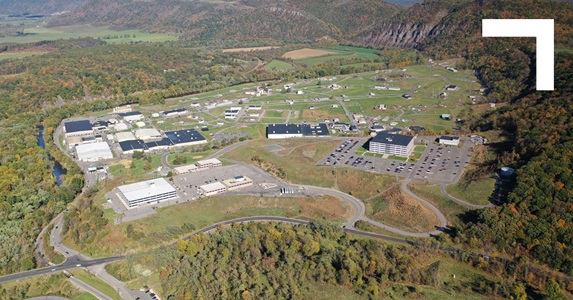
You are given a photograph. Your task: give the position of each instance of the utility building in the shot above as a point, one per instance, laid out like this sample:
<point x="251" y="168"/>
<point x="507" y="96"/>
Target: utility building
<point x="144" y="192"/>
<point x="283" y="131"/>
<point x="449" y="140"/>
<point x="393" y="144"/>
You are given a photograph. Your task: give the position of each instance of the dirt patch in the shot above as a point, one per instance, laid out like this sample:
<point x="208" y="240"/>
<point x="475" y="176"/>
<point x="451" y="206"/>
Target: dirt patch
<point x="250" y="49"/>
<point x="125" y="162"/>
<point x="326" y="207"/>
<point x="307" y="53"/>
<point x="404" y="212"/>
<point x="319" y="114"/>
<point x="309" y="153"/>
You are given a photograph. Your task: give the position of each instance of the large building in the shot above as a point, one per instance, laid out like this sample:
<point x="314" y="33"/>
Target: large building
<point x="449" y="140"/>
<point x="186" y="137"/>
<point x="78" y="128"/>
<point x="212" y="188"/>
<point x="283" y="131"/>
<point x="198" y="166"/>
<point x="393" y="144"/>
<point x="147" y="134"/>
<point x="144" y="192"/>
<point x="94" y="151"/>
<point x="131" y="116"/>
<point x="237" y="182"/>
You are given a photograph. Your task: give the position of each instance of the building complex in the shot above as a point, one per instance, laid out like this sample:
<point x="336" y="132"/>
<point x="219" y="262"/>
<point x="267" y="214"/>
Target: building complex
<point x="144" y="192"/>
<point x="283" y="131"/>
<point x="393" y="144"/>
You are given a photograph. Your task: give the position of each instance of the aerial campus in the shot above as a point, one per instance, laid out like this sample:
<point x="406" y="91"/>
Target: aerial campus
<point x="392" y="122"/>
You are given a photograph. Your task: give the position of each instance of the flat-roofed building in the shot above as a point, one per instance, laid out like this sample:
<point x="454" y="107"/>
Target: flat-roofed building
<point x="237" y="182"/>
<point x="209" y="163"/>
<point x="186" y="169"/>
<point x="122" y="109"/>
<point x="120" y="126"/>
<point x="124" y="136"/>
<point x="449" y="140"/>
<point x="393" y="144"/>
<point x="144" y="192"/>
<point x="128" y="147"/>
<point x="175" y="112"/>
<point x="94" y="151"/>
<point x="161" y="144"/>
<point x="186" y="137"/>
<point x="147" y="134"/>
<point x="282" y="131"/>
<point x="212" y="188"/>
<point x="78" y="128"/>
<point x="131" y="116"/>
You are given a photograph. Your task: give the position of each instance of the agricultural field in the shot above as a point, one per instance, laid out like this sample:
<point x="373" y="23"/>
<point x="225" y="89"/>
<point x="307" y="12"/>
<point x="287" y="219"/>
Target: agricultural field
<point x="18" y="55"/>
<point x="307" y="53"/>
<point x="278" y="65"/>
<point x="40" y="33"/>
<point x="250" y="48"/>
<point x="338" y="52"/>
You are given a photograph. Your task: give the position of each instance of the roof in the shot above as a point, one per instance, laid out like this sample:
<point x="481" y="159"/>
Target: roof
<point x="394" y="139"/>
<point x="449" y="138"/>
<point x="147" y="132"/>
<point x="94" y="151"/>
<point x="132" y="145"/>
<point x="124" y="136"/>
<point x="144" y="189"/>
<point x="304" y="129"/>
<point x="179" y="110"/>
<point x="131" y="113"/>
<point x="211" y="187"/>
<point x="161" y="143"/>
<point x="208" y="161"/>
<point x="76" y="126"/>
<point x="184" y="136"/>
<point x="185" y="169"/>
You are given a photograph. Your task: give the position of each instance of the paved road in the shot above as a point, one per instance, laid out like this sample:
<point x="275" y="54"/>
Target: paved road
<point x="88" y="288"/>
<point x="165" y="161"/>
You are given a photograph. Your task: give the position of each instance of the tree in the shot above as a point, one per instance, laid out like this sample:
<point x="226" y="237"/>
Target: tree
<point x="553" y="291"/>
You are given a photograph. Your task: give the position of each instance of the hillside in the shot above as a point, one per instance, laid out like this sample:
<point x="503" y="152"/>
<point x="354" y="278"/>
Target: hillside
<point x="9" y="7"/>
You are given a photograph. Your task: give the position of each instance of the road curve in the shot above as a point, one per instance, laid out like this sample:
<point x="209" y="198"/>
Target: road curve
<point x="462" y="202"/>
<point x="442" y="219"/>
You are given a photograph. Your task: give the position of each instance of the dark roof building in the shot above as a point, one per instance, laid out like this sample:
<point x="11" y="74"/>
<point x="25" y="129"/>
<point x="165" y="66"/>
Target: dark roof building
<point x="128" y="114"/>
<point x="77" y="126"/>
<point x="185" y="137"/>
<point x="163" y="143"/>
<point x="132" y="145"/>
<point x="179" y="111"/>
<point x="393" y="144"/>
<point x="281" y="131"/>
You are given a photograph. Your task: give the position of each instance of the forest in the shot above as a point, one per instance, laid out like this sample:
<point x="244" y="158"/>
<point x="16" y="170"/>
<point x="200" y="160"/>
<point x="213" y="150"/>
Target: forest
<point x="284" y="261"/>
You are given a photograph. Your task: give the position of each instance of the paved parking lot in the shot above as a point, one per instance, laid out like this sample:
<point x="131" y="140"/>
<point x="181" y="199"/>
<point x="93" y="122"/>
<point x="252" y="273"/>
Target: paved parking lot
<point x="187" y="189"/>
<point x="437" y="163"/>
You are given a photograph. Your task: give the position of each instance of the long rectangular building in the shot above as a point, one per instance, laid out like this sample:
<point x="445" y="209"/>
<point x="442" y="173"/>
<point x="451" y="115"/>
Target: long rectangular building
<point x="94" y="151"/>
<point x="283" y="131"/>
<point x="393" y="144"/>
<point x="144" y="192"/>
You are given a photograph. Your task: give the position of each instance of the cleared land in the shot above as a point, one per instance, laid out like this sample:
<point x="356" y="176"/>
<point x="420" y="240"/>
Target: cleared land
<point x="173" y="222"/>
<point x="250" y="49"/>
<point x="278" y="65"/>
<point x="55" y="284"/>
<point x="306" y="53"/>
<point x="477" y="192"/>
<point x="36" y="34"/>
<point x="18" y="55"/>
<point x="398" y="209"/>
<point x="298" y="160"/>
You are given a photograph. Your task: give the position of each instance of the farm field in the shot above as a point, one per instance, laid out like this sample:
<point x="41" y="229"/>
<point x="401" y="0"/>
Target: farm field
<point x="249" y="49"/>
<point x="36" y="34"/>
<point x="18" y="55"/>
<point x="278" y="65"/>
<point x="306" y="53"/>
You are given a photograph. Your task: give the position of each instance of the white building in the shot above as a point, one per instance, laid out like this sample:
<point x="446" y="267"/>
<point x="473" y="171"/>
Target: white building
<point x="212" y="188"/>
<point x="238" y="182"/>
<point x="144" y="192"/>
<point x="209" y="163"/>
<point x="131" y="116"/>
<point x="393" y="144"/>
<point x="147" y="134"/>
<point x="449" y="140"/>
<point x="186" y="169"/>
<point x="94" y="151"/>
<point x="124" y="136"/>
<point x="121" y="126"/>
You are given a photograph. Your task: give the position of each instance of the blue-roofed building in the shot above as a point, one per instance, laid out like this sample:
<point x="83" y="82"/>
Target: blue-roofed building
<point x="164" y="143"/>
<point x="185" y="137"/>
<point x="128" y="147"/>
<point x="78" y="128"/>
<point x="283" y="131"/>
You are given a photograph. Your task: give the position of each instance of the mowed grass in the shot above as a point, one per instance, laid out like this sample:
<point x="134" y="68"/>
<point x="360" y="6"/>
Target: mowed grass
<point x="433" y="194"/>
<point x="95" y="282"/>
<point x="278" y="65"/>
<point x="36" y="34"/>
<point x="86" y="296"/>
<point x="298" y="160"/>
<point x="190" y="157"/>
<point x="477" y="192"/>
<point x="54" y="284"/>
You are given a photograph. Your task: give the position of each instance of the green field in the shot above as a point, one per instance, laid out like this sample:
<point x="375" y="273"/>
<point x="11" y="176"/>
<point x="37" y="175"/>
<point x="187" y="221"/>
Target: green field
<point x="18" y="55"/>
<point x="190" y="157"/>
<point x="36" y="34"/>
<point x="95" y="282"/>
<point x="278" y="65"/>
<point x="53" y="284"/>
<point x="343" y="52"/>
<point x="477" y="192"/>
<point x="433" y="194"/>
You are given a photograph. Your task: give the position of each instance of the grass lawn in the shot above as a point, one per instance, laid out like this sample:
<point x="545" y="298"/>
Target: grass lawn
<point x="54" y="284"/>
<point x="17" y="55"/>
<point x="433" y="194"/>
<point x="36" y="34"/>
<point x="95" y="282"/>
<point x="298" y="160"/>
<point x="190" y="157"/>
<point x="86" y="296"/>
<point x="477" y="192"/>
<point x="278" y="65"/>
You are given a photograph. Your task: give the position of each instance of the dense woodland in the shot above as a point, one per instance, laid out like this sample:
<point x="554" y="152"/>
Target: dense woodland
<point x="282" y="261"/>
